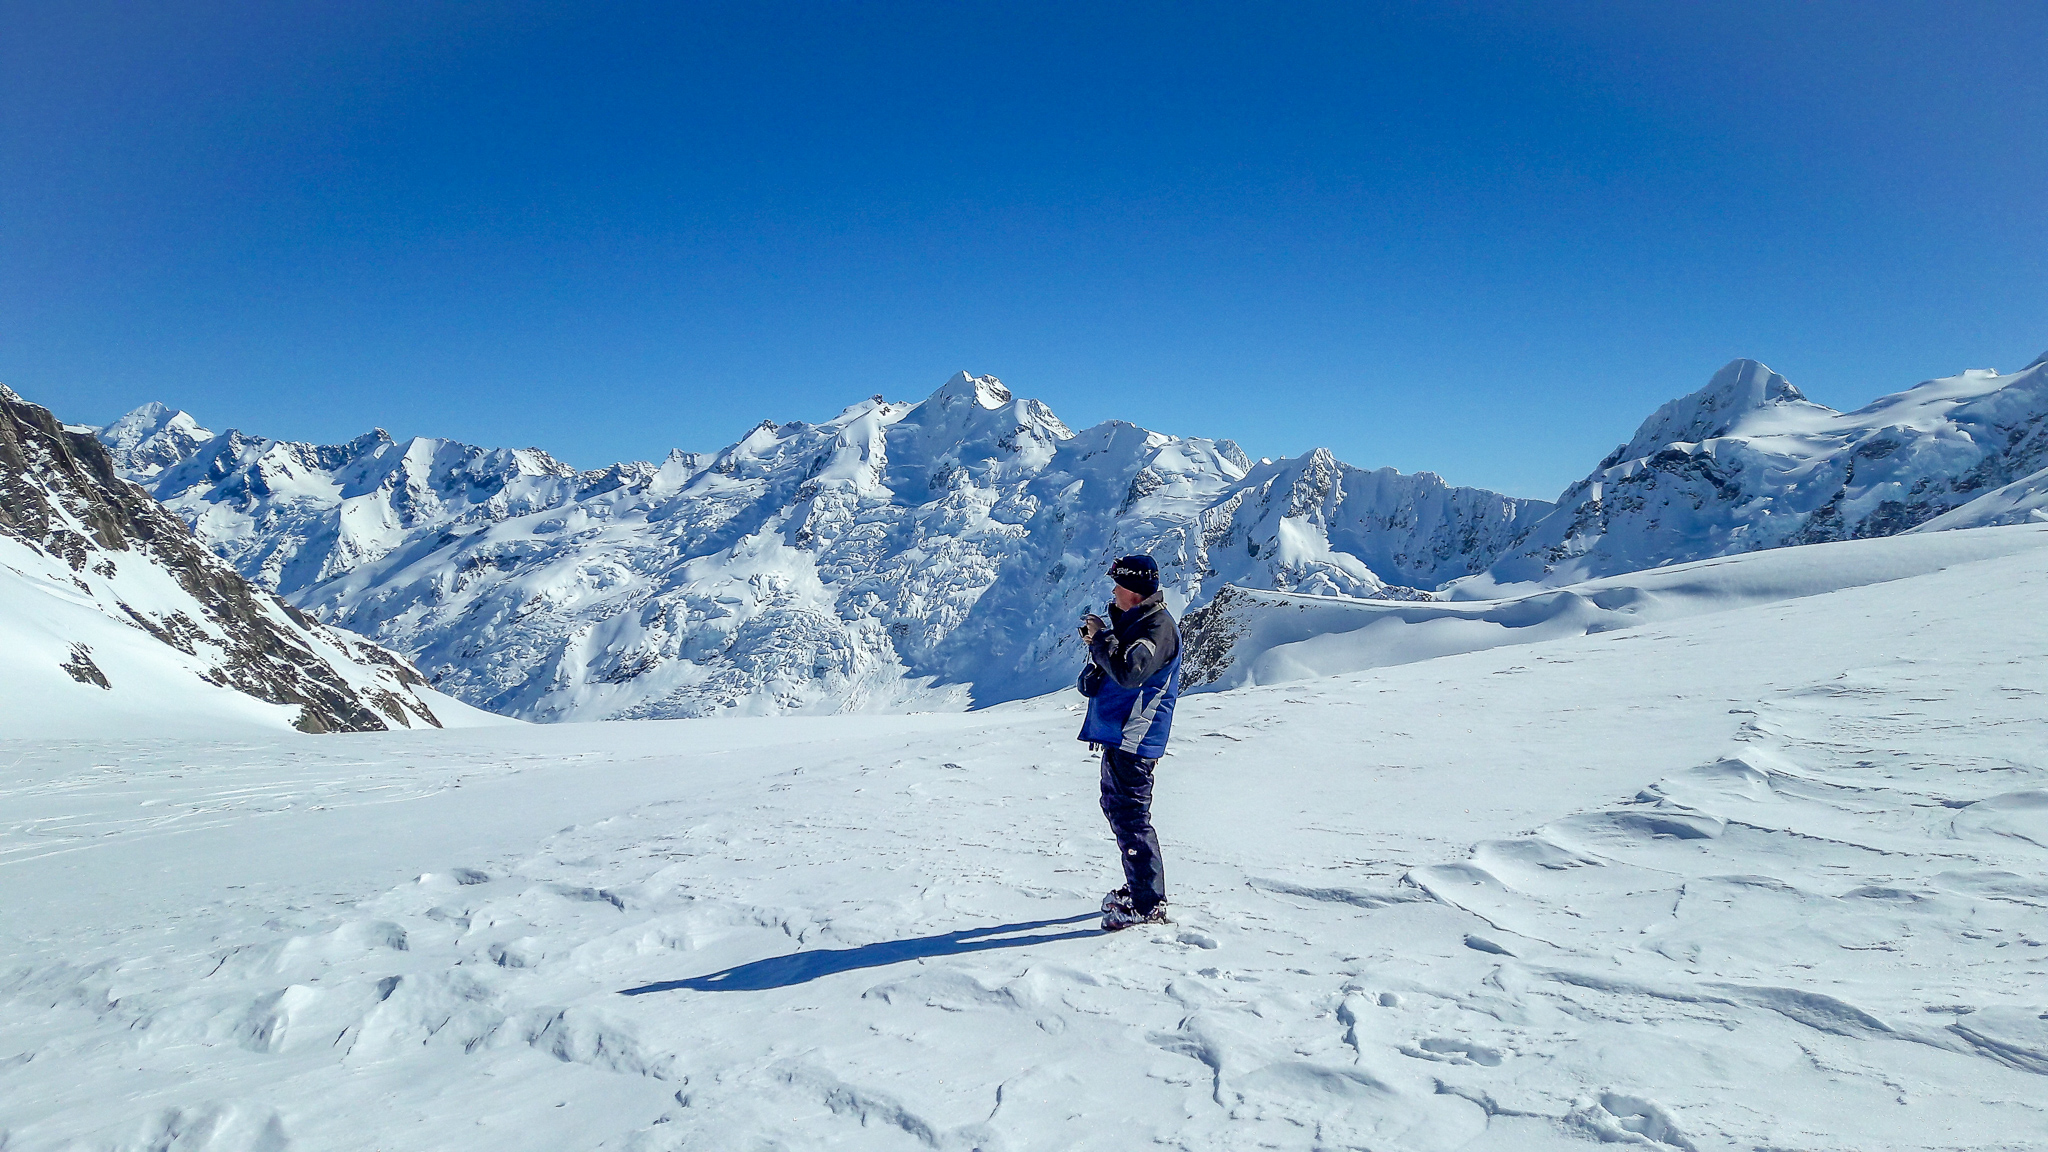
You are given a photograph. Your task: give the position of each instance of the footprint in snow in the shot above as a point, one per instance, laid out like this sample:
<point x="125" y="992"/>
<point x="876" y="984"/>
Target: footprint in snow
<point x="1619" y="1118"/>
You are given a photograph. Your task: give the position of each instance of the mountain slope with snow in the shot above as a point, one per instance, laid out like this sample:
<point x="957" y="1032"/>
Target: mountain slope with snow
<point x="113" y="617"/>
<point x="1748" y="463"/>
<point x="897" y="555"/>
<point x="936" y="555"/>
<point x="1769" y="877"/>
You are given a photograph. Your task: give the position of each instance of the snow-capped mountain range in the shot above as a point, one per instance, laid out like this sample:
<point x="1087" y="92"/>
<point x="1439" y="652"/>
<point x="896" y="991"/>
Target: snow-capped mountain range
<point x="1748" y="463"/>
<point x="896" y="555"/>
<point x="937" y="554"/>
<point x="114" y="617"/>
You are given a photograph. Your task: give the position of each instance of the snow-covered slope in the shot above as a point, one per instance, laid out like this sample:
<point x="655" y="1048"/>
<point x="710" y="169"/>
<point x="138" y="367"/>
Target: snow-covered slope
<point x="896" y="555"/>
<point x="1766" y="878"/>
<point x="113" y="618"/>
<point x="1748" y="463"/>
<point x="935" y="555"/>
<point x="1247" y="637"/>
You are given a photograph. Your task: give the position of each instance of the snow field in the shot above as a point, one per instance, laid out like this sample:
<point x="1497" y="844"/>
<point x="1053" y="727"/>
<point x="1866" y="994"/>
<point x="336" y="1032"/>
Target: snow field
<point x="1770" y="877"/>
<point x="1279" y="636"/>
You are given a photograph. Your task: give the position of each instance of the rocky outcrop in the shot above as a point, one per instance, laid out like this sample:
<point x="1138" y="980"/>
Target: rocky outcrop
<point x="75" y="520"/>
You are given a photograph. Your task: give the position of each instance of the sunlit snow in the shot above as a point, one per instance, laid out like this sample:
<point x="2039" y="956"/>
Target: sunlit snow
<point x="1764" y="877"/>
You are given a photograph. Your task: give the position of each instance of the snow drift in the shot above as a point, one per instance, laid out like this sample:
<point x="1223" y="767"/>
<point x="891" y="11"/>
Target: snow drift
<point x="1246" y="637"/>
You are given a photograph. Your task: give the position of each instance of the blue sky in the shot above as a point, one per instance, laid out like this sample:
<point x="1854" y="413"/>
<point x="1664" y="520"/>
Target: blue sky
<point x="1479" y="239"/>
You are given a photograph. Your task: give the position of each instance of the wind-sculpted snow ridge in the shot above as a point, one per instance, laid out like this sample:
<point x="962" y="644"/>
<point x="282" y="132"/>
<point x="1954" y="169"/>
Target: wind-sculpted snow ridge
<point x="1770" y="878"/>
<point x="923" y="555"/>
<point x="1748" y="463"/>
<point x="111" y="613"/>
<point x="1247" y="637"/>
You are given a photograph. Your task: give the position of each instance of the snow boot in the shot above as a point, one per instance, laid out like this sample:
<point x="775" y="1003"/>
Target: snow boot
<point x="1121" y="898"/>
<point x="1118" y="919"/>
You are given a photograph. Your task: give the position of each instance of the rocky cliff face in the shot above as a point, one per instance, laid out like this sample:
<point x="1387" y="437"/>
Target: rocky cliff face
<point x="75" y="537"/>
<point x="1749" y="463"/>
<point x="897" y="555"/>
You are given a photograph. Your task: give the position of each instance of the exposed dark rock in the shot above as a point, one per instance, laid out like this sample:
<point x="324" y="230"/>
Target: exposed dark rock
<point x="1207" y="636"/>
<point x="82" y="669"/>
<point x="61" y="495"/>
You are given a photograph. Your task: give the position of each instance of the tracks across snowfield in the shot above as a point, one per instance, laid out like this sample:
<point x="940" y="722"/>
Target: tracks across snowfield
<point x="1771" y="878"/>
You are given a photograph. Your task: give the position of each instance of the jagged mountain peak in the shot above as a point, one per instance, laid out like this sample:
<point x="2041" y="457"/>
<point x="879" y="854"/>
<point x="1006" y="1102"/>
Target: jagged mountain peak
<point x="872" y="405"/>
<point x="967" y="403"/>
<point x="152" y="438"/>
<point x="1748" y="463"/>
<point x="146" y="419"/>
<point x="984" y="391"/>
<point x="1739" y="390"/>
<point x="898" y="554"/>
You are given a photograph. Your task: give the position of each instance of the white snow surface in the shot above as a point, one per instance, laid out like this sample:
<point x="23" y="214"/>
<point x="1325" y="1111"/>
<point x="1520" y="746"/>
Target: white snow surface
<point x="1748" y="463"/>
<point x="896" y="556"/>
<point x="1255" y="637"/>
<point x="1770" y="877"/>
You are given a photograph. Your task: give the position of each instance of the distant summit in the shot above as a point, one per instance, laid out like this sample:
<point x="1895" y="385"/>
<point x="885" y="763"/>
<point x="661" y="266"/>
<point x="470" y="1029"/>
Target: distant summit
<point x="152" y="438"/>
<point x="927" y="554"/>
<point x="1748" y="463"/>
<point x="1737" y="393"/>
<point x="936" y="554"/>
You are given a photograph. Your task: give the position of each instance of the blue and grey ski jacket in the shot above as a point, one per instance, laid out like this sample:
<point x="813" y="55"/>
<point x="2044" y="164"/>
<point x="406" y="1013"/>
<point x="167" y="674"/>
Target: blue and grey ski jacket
<point x="1139" y="657"/>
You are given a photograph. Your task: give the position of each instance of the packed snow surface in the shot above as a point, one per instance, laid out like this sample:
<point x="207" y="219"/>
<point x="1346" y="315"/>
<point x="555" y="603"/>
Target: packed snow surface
<point x="1770" y="877"/>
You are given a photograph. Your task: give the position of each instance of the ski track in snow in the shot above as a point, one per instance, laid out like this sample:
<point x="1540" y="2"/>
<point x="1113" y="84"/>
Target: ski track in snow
<point x="1774" y="878"/>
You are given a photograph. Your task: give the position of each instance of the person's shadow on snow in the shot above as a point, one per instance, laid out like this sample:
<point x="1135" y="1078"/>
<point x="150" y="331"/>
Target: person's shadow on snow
<point x="800" y="967"/>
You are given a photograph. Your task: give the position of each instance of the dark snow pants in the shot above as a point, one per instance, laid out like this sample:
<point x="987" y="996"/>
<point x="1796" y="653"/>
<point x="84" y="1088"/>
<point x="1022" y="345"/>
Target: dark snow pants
<point x="1127" y="801"/>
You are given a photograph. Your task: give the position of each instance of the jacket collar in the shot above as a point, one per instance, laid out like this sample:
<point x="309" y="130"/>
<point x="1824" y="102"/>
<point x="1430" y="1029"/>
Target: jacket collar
<point x="1144" y="608"/>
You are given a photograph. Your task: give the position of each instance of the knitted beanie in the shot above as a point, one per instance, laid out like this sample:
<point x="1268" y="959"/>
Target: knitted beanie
<point x="1138" y="573"/>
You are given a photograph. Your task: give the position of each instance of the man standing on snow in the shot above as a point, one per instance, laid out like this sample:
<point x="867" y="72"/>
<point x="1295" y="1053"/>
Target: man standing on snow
<point x="1131" y="681"/>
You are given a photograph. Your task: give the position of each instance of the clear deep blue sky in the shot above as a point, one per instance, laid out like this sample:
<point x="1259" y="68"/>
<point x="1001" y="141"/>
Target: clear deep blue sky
<point x="1480" y="239"/>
